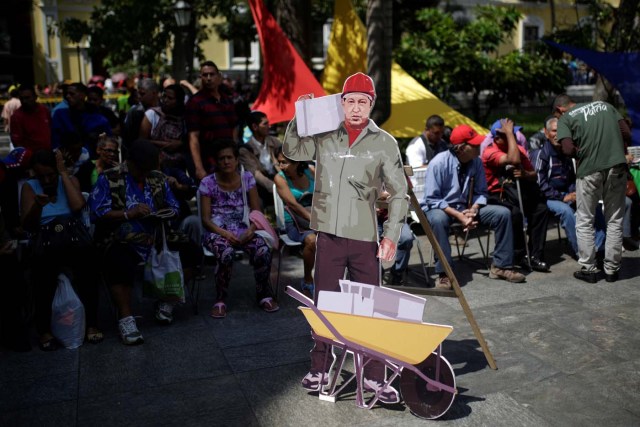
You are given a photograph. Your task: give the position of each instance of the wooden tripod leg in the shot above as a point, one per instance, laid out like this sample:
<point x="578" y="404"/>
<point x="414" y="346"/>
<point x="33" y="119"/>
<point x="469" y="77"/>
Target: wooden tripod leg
<point x="454" y="281"/>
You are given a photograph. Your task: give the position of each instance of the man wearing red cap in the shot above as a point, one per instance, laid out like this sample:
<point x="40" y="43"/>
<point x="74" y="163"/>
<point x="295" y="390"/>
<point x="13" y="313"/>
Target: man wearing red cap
<point x="352" y="164"/>
<point x="448" y="180"/>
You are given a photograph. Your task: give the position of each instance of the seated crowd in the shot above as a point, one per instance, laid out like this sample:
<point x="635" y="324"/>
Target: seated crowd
<point x="75" y="201"/>
<point x="500" y="182"/>
<point x="69" y="167"/>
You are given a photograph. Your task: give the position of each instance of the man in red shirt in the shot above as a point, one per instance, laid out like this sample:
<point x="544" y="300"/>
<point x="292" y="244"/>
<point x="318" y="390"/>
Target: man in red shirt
<point x="31" y="123"/>
<point x="210" y="116"/>
<point x="504" y="162"/>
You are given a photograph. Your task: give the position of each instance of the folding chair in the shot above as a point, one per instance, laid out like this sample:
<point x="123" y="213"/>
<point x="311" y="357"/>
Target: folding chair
<point x="194" y="291"/>
<point x="282" y="233"/>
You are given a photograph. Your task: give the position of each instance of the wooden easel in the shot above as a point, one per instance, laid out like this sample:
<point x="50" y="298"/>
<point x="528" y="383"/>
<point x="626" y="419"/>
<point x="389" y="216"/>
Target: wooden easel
<point x="456" y="292"/>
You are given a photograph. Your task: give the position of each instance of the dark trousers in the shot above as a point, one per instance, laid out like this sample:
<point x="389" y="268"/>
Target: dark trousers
<point x="333" y="255"/>
<point x="536" y="212"/>
<point x="44" y="279"/>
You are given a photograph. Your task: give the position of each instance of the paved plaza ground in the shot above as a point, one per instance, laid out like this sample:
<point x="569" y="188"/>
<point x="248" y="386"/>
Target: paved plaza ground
<point x="567" y="353"/>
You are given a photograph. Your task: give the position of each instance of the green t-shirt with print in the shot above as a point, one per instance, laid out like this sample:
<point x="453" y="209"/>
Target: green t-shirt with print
<point x="594" y="128"/>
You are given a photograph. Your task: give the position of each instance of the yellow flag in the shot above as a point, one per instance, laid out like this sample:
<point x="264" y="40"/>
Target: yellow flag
<point x="411" y="103"/>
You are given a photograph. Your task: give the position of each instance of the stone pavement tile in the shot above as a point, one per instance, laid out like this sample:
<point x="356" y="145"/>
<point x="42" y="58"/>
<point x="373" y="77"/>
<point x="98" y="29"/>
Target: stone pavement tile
<point x="569" y="400"/>
<point x="265" y="327"/>
<point x="515" y="368"/>
<point x="557" y="346"/>
<point x="37" y="363"/>
<point x="174" y="355"/>
<point x="280" y="352"/>
<point x="619" y="383"/>
<point x="56" y="414"/>
<point x="517" y="311"/>
<point x="24" y="394"/>
<point x="207" y="402"/>
<point x="613" y="329"/>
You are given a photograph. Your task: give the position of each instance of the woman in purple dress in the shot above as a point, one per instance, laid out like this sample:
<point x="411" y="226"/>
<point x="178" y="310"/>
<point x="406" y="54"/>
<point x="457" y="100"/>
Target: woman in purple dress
<point x="225" y="230"/>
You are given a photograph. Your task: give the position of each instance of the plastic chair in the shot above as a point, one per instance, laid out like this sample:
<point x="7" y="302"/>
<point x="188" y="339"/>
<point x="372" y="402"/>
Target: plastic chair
<point x="282" y="233"/>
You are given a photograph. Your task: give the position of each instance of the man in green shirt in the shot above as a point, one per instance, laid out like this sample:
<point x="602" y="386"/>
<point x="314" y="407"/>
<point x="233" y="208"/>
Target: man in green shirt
<point x="596" y="135"/>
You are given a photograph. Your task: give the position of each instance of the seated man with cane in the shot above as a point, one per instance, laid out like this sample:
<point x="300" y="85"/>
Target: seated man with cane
<point x="511" y="181"/>
<point x="456" y="190"/>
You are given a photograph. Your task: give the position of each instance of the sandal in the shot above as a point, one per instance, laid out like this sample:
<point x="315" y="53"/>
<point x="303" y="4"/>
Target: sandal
<point x="269" y="305"/>
<point x="94" y="336"/>
<point x="50" y="344"/>
<point x="219" y="311"/>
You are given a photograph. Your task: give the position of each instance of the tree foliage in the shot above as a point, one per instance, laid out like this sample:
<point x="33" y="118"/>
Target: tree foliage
<point x="455" y="54"/>
<point x="121" y="27"/>
<point x="606" y="27"/>
<point x="74" y="29"/>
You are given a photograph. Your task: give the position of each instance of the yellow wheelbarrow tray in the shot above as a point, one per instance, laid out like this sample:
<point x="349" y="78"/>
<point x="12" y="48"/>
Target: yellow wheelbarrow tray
<point x="410" y="349"/>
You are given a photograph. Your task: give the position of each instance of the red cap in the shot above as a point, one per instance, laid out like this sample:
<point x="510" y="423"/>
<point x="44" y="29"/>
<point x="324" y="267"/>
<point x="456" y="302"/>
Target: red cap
<point x="465" y="133"/>
<point x="361" y="83"/>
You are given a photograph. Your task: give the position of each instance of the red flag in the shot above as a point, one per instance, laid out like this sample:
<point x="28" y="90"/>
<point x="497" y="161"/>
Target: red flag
<point x="285" y="75"/>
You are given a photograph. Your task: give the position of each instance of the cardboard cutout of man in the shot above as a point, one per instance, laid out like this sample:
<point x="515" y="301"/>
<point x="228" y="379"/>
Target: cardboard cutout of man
<point x="352" y="164"/>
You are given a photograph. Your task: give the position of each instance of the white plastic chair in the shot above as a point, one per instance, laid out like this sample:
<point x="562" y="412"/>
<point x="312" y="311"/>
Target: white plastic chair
<point x="282" y="233"/>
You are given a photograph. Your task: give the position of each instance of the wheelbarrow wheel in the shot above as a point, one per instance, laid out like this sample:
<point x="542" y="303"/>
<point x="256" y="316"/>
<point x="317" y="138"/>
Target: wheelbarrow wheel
<point x="424" y="400"/>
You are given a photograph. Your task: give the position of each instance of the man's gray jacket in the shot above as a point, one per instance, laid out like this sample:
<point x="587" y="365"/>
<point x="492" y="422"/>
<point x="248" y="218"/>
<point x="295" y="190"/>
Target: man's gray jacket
<point x="348" y="180"/>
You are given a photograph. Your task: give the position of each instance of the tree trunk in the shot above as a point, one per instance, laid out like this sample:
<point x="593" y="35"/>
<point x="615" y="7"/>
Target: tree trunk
<point x="380" y="40"/>
<point x="552" y="7"/>
<point x="623" y="26"/>
<point x="294" y="18"/>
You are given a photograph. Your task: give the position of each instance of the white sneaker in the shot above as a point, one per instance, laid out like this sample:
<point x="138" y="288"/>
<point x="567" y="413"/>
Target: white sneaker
<point x="129" y="332"/>
<point x="164" y="312"/>
<point x="388" y="395"/>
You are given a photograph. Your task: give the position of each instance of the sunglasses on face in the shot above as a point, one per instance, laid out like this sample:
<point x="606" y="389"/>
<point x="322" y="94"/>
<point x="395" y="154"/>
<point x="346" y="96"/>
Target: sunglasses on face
<point x="110" y="150"/>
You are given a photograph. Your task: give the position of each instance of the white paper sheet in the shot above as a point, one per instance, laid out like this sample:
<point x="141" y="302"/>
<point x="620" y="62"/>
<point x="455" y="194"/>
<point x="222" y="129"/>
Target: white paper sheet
<point x="318" y="115"/>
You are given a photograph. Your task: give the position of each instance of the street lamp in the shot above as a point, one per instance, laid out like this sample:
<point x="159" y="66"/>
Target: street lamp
<point x="182" y="11"/>
<point x="181" y="68"/>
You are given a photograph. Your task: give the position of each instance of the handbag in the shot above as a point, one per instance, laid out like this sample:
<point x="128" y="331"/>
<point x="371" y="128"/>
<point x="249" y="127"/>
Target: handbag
<point x="60" y="235"/>
<point x="163" y="277"/>
<point x="259" y="219"/>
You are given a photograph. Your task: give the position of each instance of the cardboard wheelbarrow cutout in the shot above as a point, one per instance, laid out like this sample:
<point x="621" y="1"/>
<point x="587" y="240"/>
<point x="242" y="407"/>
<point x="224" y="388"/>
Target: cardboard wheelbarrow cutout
<point x="375" y="323"/>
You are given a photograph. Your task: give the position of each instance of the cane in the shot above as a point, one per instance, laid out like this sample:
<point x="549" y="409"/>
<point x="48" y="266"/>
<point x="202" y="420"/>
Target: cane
<point x="469" y="204"/>
<point x="524" y="220"/>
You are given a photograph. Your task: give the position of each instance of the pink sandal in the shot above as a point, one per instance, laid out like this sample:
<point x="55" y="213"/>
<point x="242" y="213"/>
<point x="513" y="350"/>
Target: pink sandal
<point x="269" y="305"/>
<point x="219" y="311"/>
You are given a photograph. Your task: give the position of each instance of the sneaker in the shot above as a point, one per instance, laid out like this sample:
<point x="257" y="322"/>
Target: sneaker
<point x="586" y="275"/>
<point x="388" y="395"/>
<point x="164" y="312"/>
<point x="443" y="282"/>
<point x="311" y="381"/>
<point x="129" y="332"/>
<point x="507" y="274"/>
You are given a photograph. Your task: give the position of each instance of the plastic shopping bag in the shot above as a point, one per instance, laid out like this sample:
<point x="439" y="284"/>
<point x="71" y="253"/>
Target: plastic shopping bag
<point x="163" y="278"/>
<point x="67" y="315"/>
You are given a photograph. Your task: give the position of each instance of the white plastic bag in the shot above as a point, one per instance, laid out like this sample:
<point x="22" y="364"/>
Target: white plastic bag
<point x="67" y="315"/>
<point x="163" y="276"/>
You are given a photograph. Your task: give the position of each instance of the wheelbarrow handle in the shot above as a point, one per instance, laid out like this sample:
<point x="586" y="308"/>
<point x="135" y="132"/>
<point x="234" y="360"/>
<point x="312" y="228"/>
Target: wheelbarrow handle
<point x="294" y="293"/>
<point x="298" y="296"/>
